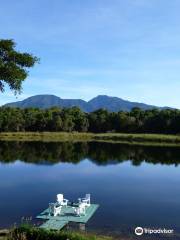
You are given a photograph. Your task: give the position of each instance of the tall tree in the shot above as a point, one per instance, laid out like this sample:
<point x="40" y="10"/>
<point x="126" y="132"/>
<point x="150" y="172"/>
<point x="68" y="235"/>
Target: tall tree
<point x="14" y="65"/>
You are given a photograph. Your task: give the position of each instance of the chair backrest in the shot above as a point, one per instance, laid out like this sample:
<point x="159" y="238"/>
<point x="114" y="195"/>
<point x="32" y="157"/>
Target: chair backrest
<point x="60" y="197"/>
<point x="88" y="196"/>
<point x="51" y="208"/>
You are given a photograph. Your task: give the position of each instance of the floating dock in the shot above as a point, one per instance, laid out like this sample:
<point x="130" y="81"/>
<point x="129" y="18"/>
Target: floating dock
<point x="67" y="215"/>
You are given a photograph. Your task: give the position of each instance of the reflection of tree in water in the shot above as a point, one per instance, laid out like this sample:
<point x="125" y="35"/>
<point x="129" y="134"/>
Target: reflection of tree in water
<point x="98" y="152"/>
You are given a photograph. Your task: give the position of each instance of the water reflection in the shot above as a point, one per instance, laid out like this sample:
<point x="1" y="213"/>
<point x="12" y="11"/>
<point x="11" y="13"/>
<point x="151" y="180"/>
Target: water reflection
<point x="134" y="185"/>
<point x="98" y="152"/>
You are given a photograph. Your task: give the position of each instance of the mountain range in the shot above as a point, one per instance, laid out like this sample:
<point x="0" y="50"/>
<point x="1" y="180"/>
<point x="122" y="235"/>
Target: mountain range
<point x="112" y="104"/>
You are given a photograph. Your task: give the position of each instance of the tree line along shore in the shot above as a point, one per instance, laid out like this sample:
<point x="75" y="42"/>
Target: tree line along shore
<point x="60" y="124"/>
<point x="159" y="121"/>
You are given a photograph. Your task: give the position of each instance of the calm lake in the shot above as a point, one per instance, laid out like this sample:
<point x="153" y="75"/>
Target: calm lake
<point x="134" y="185"/>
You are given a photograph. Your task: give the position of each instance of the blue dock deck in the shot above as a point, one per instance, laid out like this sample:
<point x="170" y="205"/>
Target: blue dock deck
<point x="67" y="215"/>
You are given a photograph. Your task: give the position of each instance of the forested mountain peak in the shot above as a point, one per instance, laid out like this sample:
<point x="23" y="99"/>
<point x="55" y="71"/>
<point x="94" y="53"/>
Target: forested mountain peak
<point x="112" y="104"/>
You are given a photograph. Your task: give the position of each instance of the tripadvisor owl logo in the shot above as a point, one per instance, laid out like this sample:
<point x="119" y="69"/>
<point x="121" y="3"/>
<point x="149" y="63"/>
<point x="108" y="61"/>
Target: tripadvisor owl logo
<point x="138" y="231"/>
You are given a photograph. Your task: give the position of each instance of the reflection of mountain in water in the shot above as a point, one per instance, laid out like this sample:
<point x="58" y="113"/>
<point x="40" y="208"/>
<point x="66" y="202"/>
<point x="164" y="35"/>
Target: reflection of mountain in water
<point x="98" y="152"/>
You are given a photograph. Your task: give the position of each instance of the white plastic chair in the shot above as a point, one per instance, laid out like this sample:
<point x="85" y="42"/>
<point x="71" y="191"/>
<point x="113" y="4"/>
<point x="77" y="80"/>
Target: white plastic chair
<point x="61" y="200"/>
<point x="86" y="200"/>
<point x="54" y="210"/>
<point x="51" y="209"/>
<point x="57" y="211"/>
<point x="80" y="210"/>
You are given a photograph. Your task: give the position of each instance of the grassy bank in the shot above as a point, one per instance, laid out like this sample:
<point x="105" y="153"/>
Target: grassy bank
<point x="151" y="139"/>
<point x="45" y="136"/>
<point x="4" y="233"/>
<point x="34" y="233"/>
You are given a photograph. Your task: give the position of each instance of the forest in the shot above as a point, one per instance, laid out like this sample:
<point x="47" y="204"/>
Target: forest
<point x="165" y="121"/>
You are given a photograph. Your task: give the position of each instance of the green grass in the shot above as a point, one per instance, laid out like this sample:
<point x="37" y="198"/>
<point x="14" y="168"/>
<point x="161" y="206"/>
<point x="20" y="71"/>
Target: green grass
<point x="160" y="139"/>
<point x="4" y="234"/>
<point x="45" y="136"/>
<point x="28" y="232"/>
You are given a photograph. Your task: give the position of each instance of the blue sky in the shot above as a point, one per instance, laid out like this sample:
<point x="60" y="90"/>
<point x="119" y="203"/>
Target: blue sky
<point x="124" y="48"/>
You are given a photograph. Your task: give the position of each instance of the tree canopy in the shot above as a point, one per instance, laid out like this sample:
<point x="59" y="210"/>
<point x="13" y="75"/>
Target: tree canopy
<point x="73" y="119"/>
<point x="13" y="65"/>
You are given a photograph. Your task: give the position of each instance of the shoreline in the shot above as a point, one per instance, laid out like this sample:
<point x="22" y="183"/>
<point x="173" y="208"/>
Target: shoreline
<point x="23" y="231"/>
<point x="128" y="138"/>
